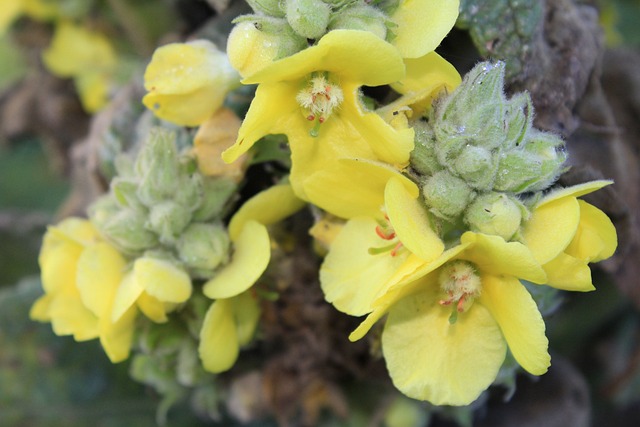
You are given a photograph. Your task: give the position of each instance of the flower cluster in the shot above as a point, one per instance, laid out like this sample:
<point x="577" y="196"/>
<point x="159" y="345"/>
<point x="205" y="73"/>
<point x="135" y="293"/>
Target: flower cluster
<point x="155" y="235"/>
<point x="438" y="208"/>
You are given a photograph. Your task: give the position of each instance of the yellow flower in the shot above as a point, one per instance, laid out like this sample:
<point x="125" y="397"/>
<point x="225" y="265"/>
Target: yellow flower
<point x="80" y="276"/>
<point x="187" y="82"/>
<point x="444" y="339"/>
<point x="566" y="234"/>
<point x="313" y="98"/>
<point x="85" y="56"/>
<point x="232" y="318"/>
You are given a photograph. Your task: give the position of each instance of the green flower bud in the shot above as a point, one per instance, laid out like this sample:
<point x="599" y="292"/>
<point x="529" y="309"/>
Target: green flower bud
<point x="360" y="17"/>
<point x="157" y="166"/>
<point x="267" y="7"/>
<point x="518" y="119"/>
<point x="494" y="213"/>
<point x="216" y="194"/>
<point x="191" y="192"/>
<point x="552" y="155"/>
<point x="517" y="170"/>
<point x="534" y="167"/>
<point x="203" y="246"/>
<point x="423" y="156"/>
<point x="309" y="18"/>
<point x="168" y="219"/>
<point x="125" y="193"/>
<point x="476" y="166"/>
<point x="126" y="230"/>
<point x="446" y="195"/>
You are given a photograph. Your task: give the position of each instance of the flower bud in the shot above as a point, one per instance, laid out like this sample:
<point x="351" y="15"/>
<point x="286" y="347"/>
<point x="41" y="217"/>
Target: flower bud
<point x="494" y="213"/>
<point x="446" y="195"/>
<point x="476" y="166"/>
<point x="360" y="17"/>
<point x="423" y="157"/>
<point x="203" y="246"/>
<point x="216" y="194"/>
<point x="517" y="170"/>
<point x="251" y="49"/>
<point x="551" y="154"/>
<point x="518" y="118"/>
<point x="476" y="107"/>
<point x="157" y="165"/>
<point x="126" y="230"/>
<point x="168" y="219"/>
<point x="125" y="192"/>
<point x="309" y="18"/>
<point x="187" y="82"/>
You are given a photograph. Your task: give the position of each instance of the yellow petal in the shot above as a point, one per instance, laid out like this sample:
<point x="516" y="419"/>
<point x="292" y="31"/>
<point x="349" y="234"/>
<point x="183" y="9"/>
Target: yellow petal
<point x="411" y="223"/>
<point x="357" y="56"/>
<point x="350" y="277"/>
<point x="100" y="271"/>
<point x="185" y="109"/>
<point x="263" y="118"/>
<point x="246" y="314"/>
<point x="58" y="264"/>
<point x="596" y="238"/>
<point x="162" y="279"/>
<point x="153" y="308"/>
<point x="249" y="260"/>
<point x="495" y="256"/>
<point x="422" y="24"/>
<point x="93" y="89"/>
<point x="350" y="187"/>
<point x="40" y="309"/>
<point x="575" y="191"/>
<point x="568" y="273"/>
<point x="429" y="74"/>
<point x="126" y="296"/>
<point x="267" y="207"/>
<point x="389" y="145"/>
<point x="520" y="321"/>
<point x="551" y="228"/>
<point x="74" y="50"/>
<point x="219" y="345"/>
<point x="116" y="337"/>
<point x="430" y="359"/>
<point x="70" y="317"/>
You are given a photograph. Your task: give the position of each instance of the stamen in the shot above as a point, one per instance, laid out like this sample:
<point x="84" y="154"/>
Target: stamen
<point x="382" y="250"/>
<point x="458" y="279"/>
<point x="319" y="98"/>
<point x="383" y="234"/>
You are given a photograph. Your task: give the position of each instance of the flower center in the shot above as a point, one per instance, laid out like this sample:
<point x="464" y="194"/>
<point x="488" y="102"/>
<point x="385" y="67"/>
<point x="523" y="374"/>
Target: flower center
<point x="461" y="284"/>
<point x="318" y="99"/>
<point x="385" y="231"/>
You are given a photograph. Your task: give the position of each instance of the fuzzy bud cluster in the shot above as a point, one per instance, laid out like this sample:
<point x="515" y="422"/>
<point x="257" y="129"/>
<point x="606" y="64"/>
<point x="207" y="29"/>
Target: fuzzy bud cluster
<point x="478" y="153"/>
<point x="161" y="206"/>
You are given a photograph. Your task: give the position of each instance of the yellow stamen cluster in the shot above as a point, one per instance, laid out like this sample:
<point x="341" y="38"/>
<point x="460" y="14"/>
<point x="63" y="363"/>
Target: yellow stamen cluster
<point x="319" y="98"/>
